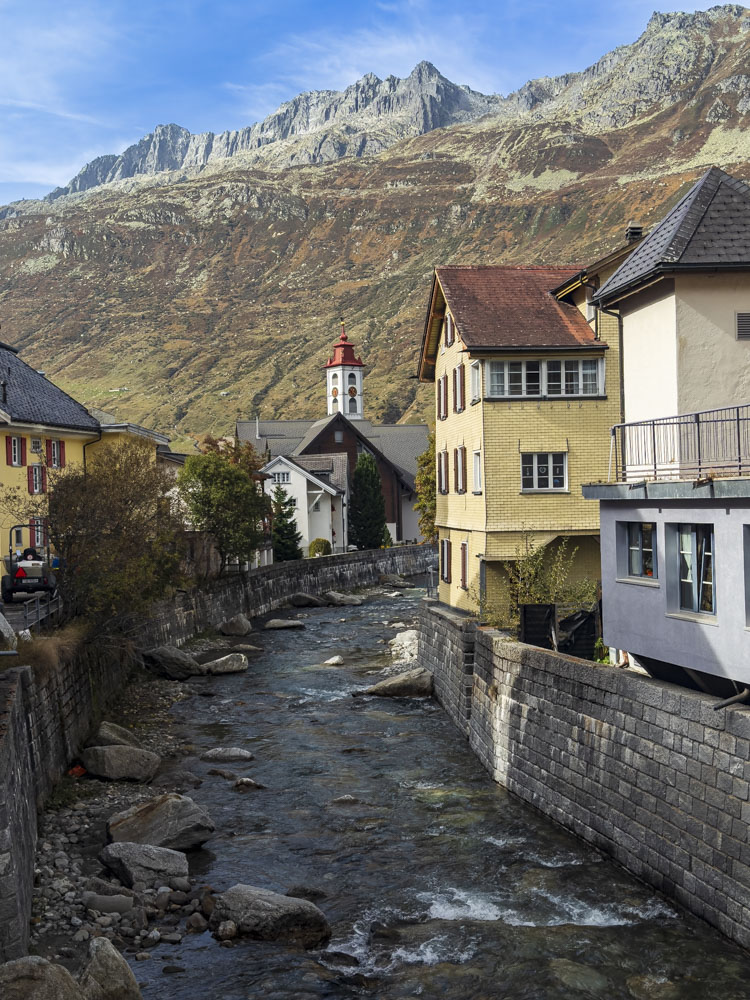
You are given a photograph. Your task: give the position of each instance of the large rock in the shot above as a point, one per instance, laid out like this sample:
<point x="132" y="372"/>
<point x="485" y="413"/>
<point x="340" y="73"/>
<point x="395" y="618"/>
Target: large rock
<point x="268" y="916"/>
<point x="342" y="600"/>
<point x="283" y="623"/>
<point x="107" y="975"/>
<point x="166" y="821"/>
<point x="8" y="637"/>
<point x="121" y="762"/>
<point x="34" y="978"/>
<point x="145" y="863"/>
<point x="404" y="646"/>
<point x="234" y="663"/>
<point x="173" y="663"/>
<point x="225" y="754"/>
<point x="394" y="580"/>
<point x="239" y="625"/>
<point x="302" y="600"/>
<point x="109" y="734"/>
<point x="412" y="684"/>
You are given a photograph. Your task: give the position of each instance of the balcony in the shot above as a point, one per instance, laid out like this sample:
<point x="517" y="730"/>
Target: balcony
<point x="704" y="445"/>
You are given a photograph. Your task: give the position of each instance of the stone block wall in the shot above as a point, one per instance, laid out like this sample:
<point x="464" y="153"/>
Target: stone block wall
<point x="644" y="770"/>
<point x="46" y="714"/>
<point x="446" y="647"/>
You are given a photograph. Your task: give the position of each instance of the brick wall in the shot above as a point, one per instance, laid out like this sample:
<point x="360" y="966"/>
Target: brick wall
<point x="45" y="716"/>
<point x="645" y="771"/>
<point x="446" y="647"/>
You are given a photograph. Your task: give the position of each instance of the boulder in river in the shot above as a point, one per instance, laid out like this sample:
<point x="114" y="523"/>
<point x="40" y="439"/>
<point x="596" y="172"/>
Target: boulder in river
<point x="302" y="600"/>
<point x="107" y="975"/>
<point x="269" y="916"/>
<point x="173" y="663"/>
<point x="109" y="734"/>
<point x="274" y="623"/>
<point x="411" y="684"/>
<point x="342" y="600"/>
<point x="169" y="820"/>
<point x="118" y="763"/>
<point x="107" y="903"/>
<point x="394" y="580"/>
<point x="404" y="646"/>
<point x="234" y="663"/>
<point x="34" y="978"/>
<point x="239" y="625"/>
<point x="247" y="785"/>
<point x="225" y="754"/>
<point x="334" y="661"/>
<point x="145" y="863"/>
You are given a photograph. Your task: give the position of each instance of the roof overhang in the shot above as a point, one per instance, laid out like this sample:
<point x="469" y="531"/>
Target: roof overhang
<point x="431" y="333"/>
<point x="137" y="430"/>
<point x="595" y="348"/>
<point x="293" y="467"/>
<point x="590" y="273"/>
<point x="663" y="271"/>
<point x="42" y="429"/>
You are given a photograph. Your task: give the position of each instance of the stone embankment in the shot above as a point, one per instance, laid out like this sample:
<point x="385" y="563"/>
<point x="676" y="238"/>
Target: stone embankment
<point x="47" y="716"/>
<point x="645" y="771"/>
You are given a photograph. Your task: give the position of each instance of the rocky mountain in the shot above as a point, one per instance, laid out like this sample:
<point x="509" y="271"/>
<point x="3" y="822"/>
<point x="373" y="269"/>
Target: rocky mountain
<point x="182" y="295"/>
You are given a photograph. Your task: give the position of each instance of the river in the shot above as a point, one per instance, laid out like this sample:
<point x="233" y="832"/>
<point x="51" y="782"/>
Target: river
<point x="437" y="882"/>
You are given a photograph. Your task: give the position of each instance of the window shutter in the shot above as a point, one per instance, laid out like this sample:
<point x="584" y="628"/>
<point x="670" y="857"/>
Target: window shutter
<point x="44" y="480"/>
<point x="448" y="548"/>
<point x="455" y="390"/>
<point x="464" y="567"/>
<point x="446" y="477"/>
<point x="743" y="326"/>
<point x="30" y="478"/>
<point x="23" y="451"/>
<point x="455" y="470"/>
<point x="440" y="472"/>
<point x="463" y="470"/>
<point x="445" y="396"/>
<point x="8" y="449"/>
<point x="462" y="383"/>
<point x="62" y="454"/>
<point x="48" y="450"/>
<point x="440" y="399"/>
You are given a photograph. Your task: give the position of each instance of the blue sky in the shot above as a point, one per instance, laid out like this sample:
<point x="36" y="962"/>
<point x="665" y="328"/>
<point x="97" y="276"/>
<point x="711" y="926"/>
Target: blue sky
<point x="80" y="78"/>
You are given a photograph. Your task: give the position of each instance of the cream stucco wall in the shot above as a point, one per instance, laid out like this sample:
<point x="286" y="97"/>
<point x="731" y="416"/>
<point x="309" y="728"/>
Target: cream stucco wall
<point x="713" y="366"/>
<point x="649" y="333"/>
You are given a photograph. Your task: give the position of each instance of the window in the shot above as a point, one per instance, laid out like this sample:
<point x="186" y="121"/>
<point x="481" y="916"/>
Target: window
<point x="53" y="459"/>
<point x="445" y="560"/>
<point x="442" y="397"/>
<point x="464" y="565"/>
<point x="18" y="536"/>
<point x="477" y="472"/>
<point x="37" y="479"/>
<point x="544" y="471"/>
<point x="459" y="469"/>
<point x="334" y="406"/>
<point x="697" y="568"/>
<point x="442" y="472"/>
<point x="641" y="549"/>
<point x="36" y="446"/>
<point x="544" y="378"/>
<point x="352" y="378"/>
<point x="338" y="437"/>
<point x="280" y="477"/>
<point x="15" y="450"/>
<point x="352" y="404"/>
<point x="37" y="531"/>
<point x="476" y="381"/>
<point x="448" y="328"/>
<point x="316" y="505"/>
<point x="334" y="379"/>
<point x="459" y="395"/>
<point x="293" y="501"/>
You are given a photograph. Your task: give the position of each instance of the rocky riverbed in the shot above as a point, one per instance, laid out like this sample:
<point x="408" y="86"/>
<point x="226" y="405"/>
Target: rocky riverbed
<point x="418" y="875"/>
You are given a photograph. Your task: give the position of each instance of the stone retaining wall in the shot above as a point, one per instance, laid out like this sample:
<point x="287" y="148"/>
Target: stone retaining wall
<point x="45" y="715"/>
<point x="644" y="770"/>
<point x="446" y="647"/>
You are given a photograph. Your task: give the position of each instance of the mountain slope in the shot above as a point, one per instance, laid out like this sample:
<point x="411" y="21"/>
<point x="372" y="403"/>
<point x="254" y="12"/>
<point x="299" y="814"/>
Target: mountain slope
<point x="183" y="303"/>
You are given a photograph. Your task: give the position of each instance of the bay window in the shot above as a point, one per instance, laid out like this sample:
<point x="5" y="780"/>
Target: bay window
<point x="507" y="379"/>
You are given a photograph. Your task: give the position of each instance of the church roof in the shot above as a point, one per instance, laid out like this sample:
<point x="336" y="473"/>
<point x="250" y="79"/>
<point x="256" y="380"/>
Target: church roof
<point x="708" y="228"/>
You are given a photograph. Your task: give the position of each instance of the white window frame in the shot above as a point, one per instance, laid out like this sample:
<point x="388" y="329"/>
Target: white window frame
<point x="475" y="369"/>
<point x="36" y="533"/>
<point x="464" y="565"/>
<point x="279" y="478"/>
<point x="500" y="371"/>
<point x="15" y="451"/>
<point x="445" y="549"/>
<point x="449" y="330"/>
<point x="460" y="485"/>
<point x="55" y="453"/>
<point x="547" y="459"/>
<point x="443" y="481"/>
<point x="477" y="466"/>
<point x="37" y="479"/>
<point x="316" y="506"/>
<point x="36" y="446"/>
<point x="635" y="548"/>
<point x="688" y="538"/>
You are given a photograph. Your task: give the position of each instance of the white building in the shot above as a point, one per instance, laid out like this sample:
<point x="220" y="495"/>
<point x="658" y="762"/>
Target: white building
<point x="319" y="503"/>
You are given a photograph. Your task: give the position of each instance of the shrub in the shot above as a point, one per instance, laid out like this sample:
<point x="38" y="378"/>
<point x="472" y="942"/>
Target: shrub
<point x="320" y="547"/>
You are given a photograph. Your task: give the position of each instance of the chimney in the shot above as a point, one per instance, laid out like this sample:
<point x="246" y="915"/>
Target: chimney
<point x="257" y="427"/>
<point x="633" y="232"/>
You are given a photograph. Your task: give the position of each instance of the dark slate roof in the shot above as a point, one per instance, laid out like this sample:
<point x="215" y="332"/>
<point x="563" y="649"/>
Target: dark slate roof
<point x="708" y="228"/>
<point x="512" y="307"/>
<point x="331" y="469"/>
<point x="30" y="398"/>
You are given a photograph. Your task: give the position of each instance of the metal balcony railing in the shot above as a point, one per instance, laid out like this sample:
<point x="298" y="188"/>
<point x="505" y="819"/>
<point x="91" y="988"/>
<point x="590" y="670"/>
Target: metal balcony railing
<point x="689" y="446"/>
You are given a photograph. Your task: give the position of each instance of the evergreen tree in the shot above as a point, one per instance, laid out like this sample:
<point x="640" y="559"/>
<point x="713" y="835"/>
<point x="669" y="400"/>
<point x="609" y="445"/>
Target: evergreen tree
<point x="426" y="486"/>
<point x="286" y="538"/>
<point x="366" y="506"/>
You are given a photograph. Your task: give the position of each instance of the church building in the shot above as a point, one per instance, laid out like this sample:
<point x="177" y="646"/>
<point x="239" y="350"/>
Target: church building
<point x="317" y="446"/>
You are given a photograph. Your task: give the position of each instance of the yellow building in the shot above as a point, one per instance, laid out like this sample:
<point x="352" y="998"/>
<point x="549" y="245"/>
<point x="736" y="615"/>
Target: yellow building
<point x="44" y="429"/>
<point x="527" y="385"/>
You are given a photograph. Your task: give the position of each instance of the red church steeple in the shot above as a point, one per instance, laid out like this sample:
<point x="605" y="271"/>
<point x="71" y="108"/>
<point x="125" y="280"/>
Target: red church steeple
<point x="344" y="379"/>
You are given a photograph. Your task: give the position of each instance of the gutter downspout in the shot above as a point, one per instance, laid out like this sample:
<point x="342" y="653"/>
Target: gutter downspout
<point x="86" y="446"/>
<point x="618" y="317"/>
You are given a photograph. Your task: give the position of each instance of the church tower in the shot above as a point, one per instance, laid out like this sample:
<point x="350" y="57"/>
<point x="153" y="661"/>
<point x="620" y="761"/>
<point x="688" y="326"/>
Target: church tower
<point x="344" y="380"/>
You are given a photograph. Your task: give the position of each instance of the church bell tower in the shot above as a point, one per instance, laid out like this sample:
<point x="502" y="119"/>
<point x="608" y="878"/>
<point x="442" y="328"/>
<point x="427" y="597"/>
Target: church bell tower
<point x="344" y="380"/>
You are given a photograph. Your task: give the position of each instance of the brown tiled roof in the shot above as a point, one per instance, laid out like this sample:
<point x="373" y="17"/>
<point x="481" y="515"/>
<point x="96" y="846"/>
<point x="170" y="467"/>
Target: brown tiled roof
<point x="513" y="307"/>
